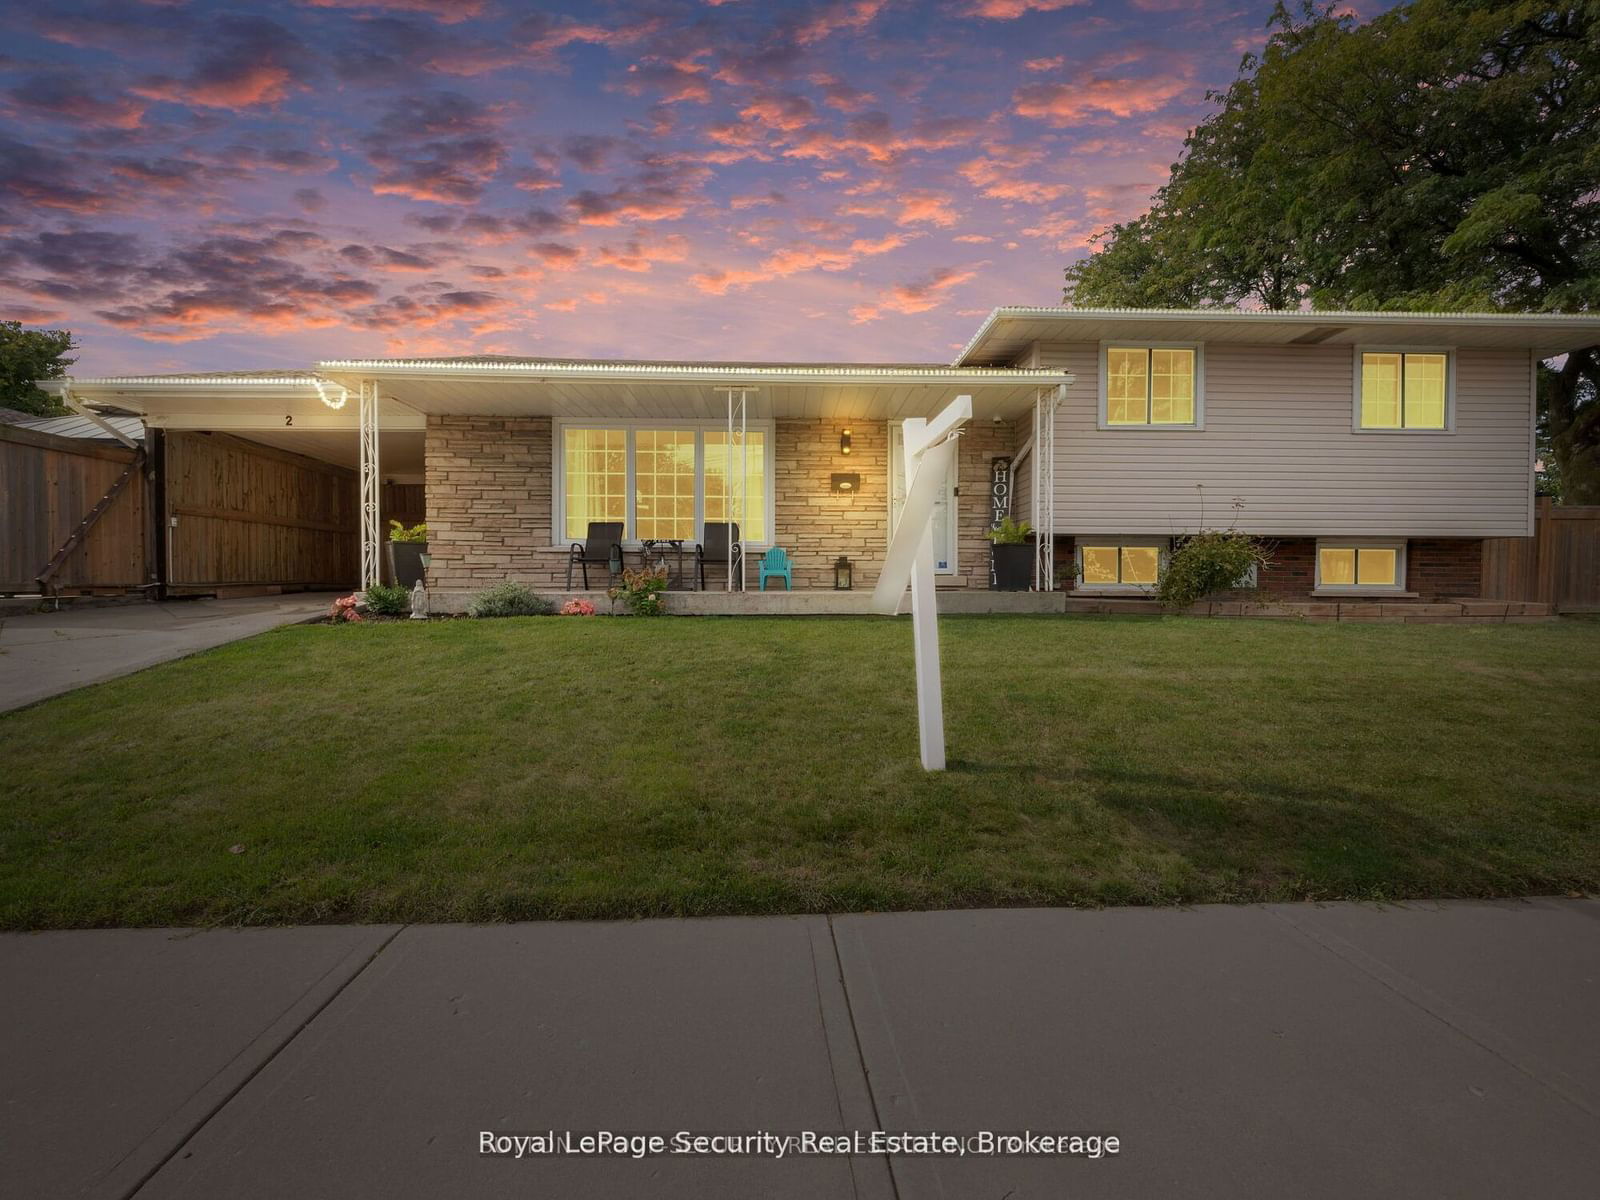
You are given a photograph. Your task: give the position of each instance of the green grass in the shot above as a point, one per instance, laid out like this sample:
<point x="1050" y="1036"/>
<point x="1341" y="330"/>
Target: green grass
<point x="622" y="767"/>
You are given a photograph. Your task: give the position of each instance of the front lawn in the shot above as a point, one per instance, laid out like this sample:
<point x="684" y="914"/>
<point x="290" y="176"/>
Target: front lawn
<point x="625" y="767"/>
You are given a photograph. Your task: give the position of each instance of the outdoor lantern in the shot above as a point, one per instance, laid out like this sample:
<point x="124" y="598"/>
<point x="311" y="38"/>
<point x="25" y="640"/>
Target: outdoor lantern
<point x="844" y="442"/>
<point x="841" y="574"/>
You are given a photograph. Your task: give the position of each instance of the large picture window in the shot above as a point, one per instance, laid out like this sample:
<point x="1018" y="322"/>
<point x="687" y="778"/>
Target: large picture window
<point x="595" y="467"/>
<point x="1151" y="386"/>
<point x="1403" y="389"/>
<point x="660" y="482"/>
<point x="663" y="483"/>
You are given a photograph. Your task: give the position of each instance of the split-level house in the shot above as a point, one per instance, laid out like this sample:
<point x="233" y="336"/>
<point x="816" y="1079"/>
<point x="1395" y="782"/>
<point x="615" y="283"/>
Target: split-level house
<point x="1375" y="449"/>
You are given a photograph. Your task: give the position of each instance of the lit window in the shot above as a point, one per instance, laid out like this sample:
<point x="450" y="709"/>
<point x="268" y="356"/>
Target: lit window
<point x="1149" y="385"/>
<point x="1401" y="390"/>
<point x="596" y="471"/>
<point x="718" y="484"/>
<point x="663" y="484"/>
<point x="1120" y="564"/>
<point x="1376" y="566"/>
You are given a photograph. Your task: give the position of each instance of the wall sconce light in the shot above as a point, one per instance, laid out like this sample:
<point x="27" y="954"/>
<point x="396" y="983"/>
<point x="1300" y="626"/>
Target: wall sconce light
<point x="841" y="574"/>
<point x="846" y="485"/>
<point x="844" y="441"/>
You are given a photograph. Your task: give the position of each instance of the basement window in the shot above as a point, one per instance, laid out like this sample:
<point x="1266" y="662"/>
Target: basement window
<point x="1366" y="565"/>
<point x="1119" y="564"/>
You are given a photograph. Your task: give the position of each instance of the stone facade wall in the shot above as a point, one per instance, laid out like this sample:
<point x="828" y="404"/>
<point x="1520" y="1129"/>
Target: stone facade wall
<point x="488" y="483"/>
<point x="814" y="524"/>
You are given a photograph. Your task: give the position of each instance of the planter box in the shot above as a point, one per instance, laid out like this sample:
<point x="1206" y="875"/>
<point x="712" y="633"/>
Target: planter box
<point x="1012" y="568"/>
<point x="405" y="562"/>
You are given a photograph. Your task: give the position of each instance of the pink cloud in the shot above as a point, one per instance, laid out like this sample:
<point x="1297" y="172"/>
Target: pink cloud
<point x="1065" y="103"/>
<point x="1044" y="64"/>
<point x="925" y="206"/>
<point x="841" y="14"/>
<point x="641" y="256"/>
<point x="915" y="297"/>
<point x="448" y="11"/>
<point x="796" y="259"/>
<point x="1010" y="10"/>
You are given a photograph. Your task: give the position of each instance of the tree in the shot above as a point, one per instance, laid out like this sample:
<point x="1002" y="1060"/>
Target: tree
<point x="1445" y="155"/>
<point x="27" y="355"/>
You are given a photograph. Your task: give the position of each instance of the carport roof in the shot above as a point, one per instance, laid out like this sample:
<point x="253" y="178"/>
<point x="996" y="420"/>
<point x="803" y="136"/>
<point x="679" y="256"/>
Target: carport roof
<point x="597" y="389"/>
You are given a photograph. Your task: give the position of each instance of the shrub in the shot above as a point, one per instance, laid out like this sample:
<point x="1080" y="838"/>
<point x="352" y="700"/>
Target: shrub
<point x="641" y="590"/>
<point x="1206" y="562"/>
<point x="577" y="608"/>
<point x="510" y="600"/>
<point x="1009" y="532"/>
<point x="399" y="533"/>
<point x="388" y="600"/>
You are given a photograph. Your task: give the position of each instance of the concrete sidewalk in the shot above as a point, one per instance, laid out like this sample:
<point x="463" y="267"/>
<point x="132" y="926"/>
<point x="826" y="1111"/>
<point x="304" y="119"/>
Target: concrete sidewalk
<point x="45" y="654"/>
<point x="1342" y="1050"/>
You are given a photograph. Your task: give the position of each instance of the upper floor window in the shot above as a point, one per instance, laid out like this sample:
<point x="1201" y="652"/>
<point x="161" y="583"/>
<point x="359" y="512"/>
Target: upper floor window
<point x="1403" y="389"/>
<point x="1151" y="386"/>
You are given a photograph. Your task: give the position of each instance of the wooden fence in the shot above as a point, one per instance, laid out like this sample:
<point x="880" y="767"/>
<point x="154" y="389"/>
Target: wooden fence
<point x="1559" y="565"/>
<point x="241" y="514"/>
<point x="48" y="486"/>
<point x="218" y="514"/>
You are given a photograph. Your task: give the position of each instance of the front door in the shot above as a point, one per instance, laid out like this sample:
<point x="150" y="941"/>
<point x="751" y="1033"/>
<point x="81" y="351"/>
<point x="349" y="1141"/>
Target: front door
<point x="944" y="512"/>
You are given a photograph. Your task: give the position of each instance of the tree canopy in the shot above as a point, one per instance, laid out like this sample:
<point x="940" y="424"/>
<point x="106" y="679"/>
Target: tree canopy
<point x="1443" y="156"/>
<point x="27" y="355"/>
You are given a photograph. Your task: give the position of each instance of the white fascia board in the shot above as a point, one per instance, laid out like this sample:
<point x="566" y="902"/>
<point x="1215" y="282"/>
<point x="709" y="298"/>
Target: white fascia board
<point x="696" y="375"/>
<point x="1578" y="323"/>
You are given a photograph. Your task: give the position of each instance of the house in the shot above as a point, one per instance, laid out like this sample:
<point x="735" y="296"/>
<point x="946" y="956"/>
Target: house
<point x="1376" y="449"/>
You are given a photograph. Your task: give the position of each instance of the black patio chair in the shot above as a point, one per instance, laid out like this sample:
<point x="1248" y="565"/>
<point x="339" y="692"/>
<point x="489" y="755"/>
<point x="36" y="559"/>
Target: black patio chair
<point x="602" y="545"/>
<point x="721" y="546"/>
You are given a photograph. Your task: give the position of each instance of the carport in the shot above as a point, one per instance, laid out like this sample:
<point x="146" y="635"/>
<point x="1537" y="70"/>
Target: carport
<point x="260" y="482"/>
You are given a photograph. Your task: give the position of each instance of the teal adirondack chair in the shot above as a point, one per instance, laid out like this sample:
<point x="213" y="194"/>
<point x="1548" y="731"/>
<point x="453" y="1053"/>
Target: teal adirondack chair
<point x="775" y="563"/>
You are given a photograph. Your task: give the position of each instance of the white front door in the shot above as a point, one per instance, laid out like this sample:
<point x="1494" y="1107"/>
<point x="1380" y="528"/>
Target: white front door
<point x="944" y="512"/>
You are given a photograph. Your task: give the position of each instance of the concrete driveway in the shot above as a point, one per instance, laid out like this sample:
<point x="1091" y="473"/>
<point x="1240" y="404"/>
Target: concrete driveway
<point x="1254" y="1051"/>
<point x="45" y="654"/>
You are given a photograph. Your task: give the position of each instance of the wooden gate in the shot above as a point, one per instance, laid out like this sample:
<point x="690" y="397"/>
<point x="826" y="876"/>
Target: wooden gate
<point x="56" y="536"/>
<point x="1559" y="565"/>
<point x="244" y="515"/>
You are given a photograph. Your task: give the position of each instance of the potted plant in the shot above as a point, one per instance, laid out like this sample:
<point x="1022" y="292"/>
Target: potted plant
<point x="406" y="548"/>
<point x="1013" y="557"/>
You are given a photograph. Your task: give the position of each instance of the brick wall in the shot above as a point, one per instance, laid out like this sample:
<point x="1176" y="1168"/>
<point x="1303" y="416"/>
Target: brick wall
<point x="1436" y="568"/>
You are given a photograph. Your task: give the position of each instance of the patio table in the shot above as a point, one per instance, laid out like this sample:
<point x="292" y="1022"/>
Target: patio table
<point x="655" y="552"/>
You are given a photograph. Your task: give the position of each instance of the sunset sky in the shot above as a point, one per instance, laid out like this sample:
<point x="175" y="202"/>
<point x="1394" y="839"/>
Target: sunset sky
<point x="207" y="186"/>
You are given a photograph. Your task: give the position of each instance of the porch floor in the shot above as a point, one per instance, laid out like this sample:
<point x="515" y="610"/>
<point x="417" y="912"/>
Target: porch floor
<point x="801" y="601"/>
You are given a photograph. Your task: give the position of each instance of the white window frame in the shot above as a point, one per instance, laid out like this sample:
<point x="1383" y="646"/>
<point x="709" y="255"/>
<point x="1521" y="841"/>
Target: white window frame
<point x="1398" y="545"/>
<point x="558" y="473"/>
<point x="1162" y="546"/>
<point x="1199" y="422"/>
<point x="1449" y="353"/>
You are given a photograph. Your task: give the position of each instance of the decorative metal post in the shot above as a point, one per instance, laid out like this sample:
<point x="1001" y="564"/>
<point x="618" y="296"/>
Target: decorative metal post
<point x="371" y="534"/>
<point x="1045" y="402"/>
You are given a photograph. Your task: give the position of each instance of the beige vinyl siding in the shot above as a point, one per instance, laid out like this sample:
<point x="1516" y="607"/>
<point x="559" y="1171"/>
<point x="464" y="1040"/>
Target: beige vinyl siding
<point x="1278" y="433"/>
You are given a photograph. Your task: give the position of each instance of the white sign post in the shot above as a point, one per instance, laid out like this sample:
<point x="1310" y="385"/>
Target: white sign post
<point x="930" y="448"/>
